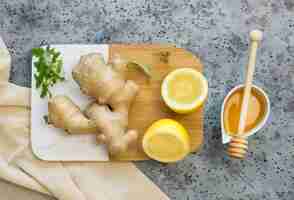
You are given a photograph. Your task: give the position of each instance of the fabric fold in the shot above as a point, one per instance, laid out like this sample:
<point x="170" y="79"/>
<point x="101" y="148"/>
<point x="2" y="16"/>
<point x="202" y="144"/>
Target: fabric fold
<point x="15" y="175"/>
<point x="14" y="139"/>
<point x="53" y="176"/>
<point x="14" y="95"/>
<point x="111" y="183"/>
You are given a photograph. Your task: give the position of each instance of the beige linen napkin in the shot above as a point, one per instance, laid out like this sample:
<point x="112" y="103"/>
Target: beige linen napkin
<point x="65" y="181"/>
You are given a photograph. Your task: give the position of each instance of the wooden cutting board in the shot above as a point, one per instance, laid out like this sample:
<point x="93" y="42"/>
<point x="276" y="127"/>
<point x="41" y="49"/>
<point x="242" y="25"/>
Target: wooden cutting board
<point x="52" y="144"/>
<point x="148" y="105"/>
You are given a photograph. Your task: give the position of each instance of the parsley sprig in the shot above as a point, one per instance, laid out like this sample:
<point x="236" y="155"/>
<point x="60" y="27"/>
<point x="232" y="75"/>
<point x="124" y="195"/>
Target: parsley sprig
<point x="49" y="71"/>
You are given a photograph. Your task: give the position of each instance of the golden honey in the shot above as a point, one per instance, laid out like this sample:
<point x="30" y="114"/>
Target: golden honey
<point x="256" y="111"/>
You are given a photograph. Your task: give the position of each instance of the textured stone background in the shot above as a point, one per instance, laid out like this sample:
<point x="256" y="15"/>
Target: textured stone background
<point x="217" y="31"/>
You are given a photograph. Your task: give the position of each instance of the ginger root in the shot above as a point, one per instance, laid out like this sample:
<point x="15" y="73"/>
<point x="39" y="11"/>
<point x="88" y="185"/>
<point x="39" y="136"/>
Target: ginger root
<point x="108" y="114"/>
<point x="97" y="79"/>
<point x="112" y="124"/>
<point x="112" y="128"/>
<point x="65" y="114"/>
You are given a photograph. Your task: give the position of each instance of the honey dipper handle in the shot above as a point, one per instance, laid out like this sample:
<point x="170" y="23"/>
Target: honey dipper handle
<point x="256" y="37"/>
<point x="238" y="145"/>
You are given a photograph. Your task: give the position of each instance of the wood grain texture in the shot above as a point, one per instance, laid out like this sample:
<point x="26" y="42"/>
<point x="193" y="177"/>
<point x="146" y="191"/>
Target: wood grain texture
<point x="148" y="106"/>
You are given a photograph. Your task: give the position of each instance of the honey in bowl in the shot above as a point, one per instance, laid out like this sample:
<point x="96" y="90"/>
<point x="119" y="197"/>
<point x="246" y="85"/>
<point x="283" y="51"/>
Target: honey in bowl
<point x="256" y="111"/>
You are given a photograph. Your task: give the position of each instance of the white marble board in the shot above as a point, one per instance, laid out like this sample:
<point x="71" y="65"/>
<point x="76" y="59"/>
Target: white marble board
<point x="52" y="144"/>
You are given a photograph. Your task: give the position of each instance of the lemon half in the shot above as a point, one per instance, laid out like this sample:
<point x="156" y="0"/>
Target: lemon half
<point x="166" y="140"/>
<point x="184" y="90"/>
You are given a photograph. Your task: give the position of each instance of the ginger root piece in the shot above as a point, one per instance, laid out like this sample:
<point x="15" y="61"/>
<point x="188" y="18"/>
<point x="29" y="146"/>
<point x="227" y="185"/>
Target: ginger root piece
<point x="122" y="100"/>
<point x="108" y="115"/>
<point x="65" y="114"/>
<point x="112" y="127"/>
<point x="106" y="83"/>
<point x="112" y="124"/>
<point x="97" y="79"/>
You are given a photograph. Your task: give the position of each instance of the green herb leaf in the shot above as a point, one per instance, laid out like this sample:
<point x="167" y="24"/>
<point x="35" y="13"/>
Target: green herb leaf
<point x="48" y="66"/>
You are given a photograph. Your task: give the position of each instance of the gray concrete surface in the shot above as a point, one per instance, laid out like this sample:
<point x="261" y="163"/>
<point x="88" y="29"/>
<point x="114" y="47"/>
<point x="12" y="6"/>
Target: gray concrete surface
<point x="215" y="30"/>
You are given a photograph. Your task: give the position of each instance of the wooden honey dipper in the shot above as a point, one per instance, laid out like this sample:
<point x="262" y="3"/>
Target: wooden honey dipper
<point x="239" y="145"/>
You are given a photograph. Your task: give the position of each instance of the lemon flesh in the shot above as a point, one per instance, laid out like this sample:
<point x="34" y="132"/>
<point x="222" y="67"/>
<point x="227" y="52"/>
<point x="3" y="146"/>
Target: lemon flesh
<point x="184" y="90"/>
<point x="166" y="141"/>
